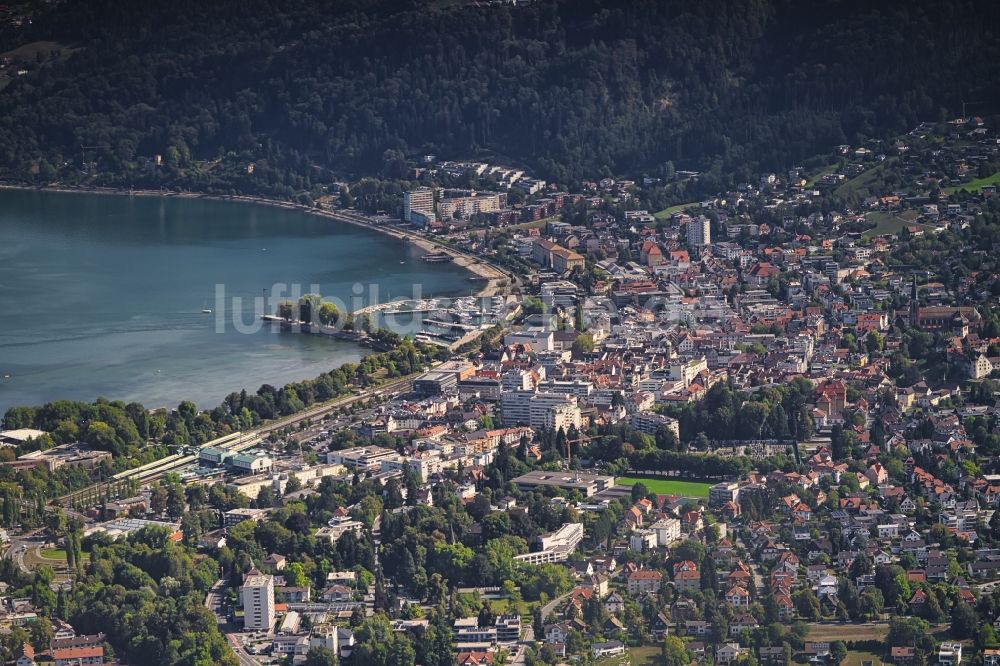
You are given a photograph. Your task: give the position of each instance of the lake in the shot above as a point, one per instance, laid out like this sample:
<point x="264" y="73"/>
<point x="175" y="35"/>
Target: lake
<point x="104" y="295"/>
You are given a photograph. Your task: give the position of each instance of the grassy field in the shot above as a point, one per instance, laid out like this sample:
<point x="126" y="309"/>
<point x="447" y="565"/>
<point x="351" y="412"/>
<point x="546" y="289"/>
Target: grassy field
<point x="863" y="183"/>
<point x="534" y="224"/>
<point x="847" y="631"/>
<point x="56" y="554"/>
<point x="669" y="486"/>
<point x="889" y="224"/>
<point x="505" y="606"/>
<point x="27" y="53"/>
<point x="975" y="185"/>
<point x="667" y="212"/>
<point x="825" y="171"/>
<point x="856" y="658"/>
<point x="647" y="655"/>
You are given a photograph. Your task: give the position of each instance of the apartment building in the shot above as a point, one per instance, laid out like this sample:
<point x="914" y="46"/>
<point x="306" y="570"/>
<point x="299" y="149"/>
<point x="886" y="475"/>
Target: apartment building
<point x="540" y="410"/>
<point x="650" y="422"/>
<point x="258" y="601"/>
<point x="555" y="546"/>
<point x="699" y="232"/>
<point x="465" y="204"/>
<point x="418" y="206"/>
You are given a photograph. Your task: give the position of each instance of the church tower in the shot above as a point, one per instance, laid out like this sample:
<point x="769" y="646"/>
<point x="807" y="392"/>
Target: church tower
<point x="914" y="305"/>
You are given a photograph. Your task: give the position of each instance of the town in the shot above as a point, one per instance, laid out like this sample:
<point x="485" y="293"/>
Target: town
<point x="759" y="428"/>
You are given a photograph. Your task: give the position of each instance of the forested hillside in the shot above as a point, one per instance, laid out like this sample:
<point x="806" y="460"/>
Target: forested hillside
<point x="313" y="91"/>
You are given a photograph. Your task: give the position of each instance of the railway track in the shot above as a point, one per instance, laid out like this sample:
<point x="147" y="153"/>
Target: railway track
<point x="234" y="442"/>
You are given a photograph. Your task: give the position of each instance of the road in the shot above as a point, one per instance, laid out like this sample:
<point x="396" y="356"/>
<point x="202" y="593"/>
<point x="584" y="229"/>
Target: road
<point x="758" y="578"/>
<point x="987" y="587"/>
<point x="16" y="552"/>
<point x="244" y="658"/>
<point x="19" y="546"/>
<point x="213" y="600"/>
<point x="551" y="606"/>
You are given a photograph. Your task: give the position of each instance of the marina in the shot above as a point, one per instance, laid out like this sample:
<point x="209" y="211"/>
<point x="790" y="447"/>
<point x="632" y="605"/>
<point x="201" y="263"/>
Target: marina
<point x="443" y="321"/>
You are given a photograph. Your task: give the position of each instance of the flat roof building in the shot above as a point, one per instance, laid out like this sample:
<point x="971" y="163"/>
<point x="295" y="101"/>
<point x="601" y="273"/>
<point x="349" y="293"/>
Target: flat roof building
<point x="258" y="601"/>
<point x="587" y="484"/>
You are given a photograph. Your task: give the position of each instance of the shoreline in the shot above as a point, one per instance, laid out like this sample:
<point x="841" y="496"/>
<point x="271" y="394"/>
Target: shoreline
<point x="475" y="266"/>
<point x="478" y="267"/>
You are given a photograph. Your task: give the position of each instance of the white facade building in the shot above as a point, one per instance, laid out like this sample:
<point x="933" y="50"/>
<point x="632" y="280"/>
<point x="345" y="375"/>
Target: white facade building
<point x="258" y="601"/>
<point x="699" y="231"/>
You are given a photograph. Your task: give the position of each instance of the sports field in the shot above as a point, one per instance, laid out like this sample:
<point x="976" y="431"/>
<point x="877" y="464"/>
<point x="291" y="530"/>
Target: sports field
<point x="669" y="486"/>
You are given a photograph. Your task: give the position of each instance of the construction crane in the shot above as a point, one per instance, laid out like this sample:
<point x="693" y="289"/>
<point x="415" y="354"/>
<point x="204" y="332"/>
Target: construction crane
<point x="569" y="448"/>
<point x="578" y="440"/>
<point x="964" y="104"/>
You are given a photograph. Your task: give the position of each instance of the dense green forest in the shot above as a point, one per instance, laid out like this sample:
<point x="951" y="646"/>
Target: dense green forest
<point x="314" y="92"/>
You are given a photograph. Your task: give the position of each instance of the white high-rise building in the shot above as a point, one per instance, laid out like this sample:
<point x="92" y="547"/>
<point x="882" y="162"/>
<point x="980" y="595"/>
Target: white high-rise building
<point x="699" y="231"/>
<point x="418" y="206"/>
<point x="258" y="601"/>
<point x="540" y="410"/>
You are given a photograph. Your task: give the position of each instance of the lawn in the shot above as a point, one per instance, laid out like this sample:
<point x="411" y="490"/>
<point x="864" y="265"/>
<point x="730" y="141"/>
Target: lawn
<point x="505" y="606"/>
<point x="975" y="185"/>
<point x="56" y="554"/>
<point x="865" y="182"/>
<point x="888" y="224"/>
<point x="825" y="171"/>
<point x="647" y="655"/>
<point x="667" y="212"/>
<point x="847" y="631"/>
<point x="855" y="658"/>
<point x="534" y="224"/>
<point x="669" y="486"/>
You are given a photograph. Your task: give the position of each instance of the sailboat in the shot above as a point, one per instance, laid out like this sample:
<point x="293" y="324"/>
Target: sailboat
<point x="205" y="309"/>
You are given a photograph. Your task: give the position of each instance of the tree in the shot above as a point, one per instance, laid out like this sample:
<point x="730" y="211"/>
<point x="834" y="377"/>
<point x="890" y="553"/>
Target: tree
<point x="295" y="575"/>
<point x="320" y="656"/>
<point x="532" y="306"/>
<point x="874" y="342"/>
<point x="689" y="549"/>
<point x="964" y="622"/>
<point x="55" y="523"/>
<point x="838" y="651"/>
<point x="674" y="653"/>
<point x="909" y="631"/>
<point x="807" y="604"/>
<point x="175" y="500"/>
<point x="582" y="345"/>
<point x="872" y="603"/>
<point x="328" y="313"/>
<point x="579" y="322"/>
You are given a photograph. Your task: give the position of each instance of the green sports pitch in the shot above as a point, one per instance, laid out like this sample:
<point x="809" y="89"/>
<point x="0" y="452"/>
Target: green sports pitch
<point x="669" y="486"/>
